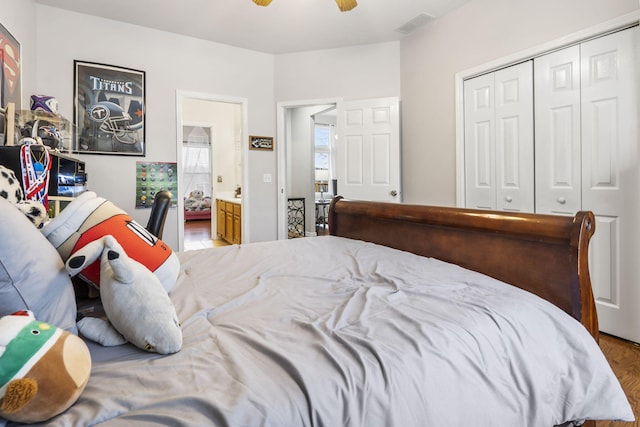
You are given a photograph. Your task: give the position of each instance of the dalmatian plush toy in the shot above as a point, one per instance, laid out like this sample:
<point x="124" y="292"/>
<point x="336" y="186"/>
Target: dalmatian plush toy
<point x="11" y="190"/>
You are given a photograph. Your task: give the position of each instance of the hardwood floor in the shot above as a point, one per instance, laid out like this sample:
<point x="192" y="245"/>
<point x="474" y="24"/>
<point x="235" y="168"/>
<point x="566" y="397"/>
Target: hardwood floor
<point x="197" y="235"/>
<point x="624" y="358"/>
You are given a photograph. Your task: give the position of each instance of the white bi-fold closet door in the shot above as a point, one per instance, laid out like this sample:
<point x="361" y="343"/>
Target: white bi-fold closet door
<point x="498" y="126"/>
<point x="587" y="157"/>
<point x="584" y="155"/>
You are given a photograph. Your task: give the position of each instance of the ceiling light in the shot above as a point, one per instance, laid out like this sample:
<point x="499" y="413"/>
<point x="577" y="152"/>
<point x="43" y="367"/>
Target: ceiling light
<point x="344" y="5"/>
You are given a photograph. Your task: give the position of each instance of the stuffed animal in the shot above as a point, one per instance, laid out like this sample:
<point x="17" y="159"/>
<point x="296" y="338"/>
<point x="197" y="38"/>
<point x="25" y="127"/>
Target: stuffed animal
<point x="196" y="201"/>
<point x="136" y="304"/>
<point x="43" y="369"/>
<point x="89" y="217"/>
<point x="11" y="190"/>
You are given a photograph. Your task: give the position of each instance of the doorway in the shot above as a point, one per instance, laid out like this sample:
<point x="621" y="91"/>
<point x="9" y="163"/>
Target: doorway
<point x="296" y="161"/>
<point x="367" y="160"/>
<point x="210" y="163"/>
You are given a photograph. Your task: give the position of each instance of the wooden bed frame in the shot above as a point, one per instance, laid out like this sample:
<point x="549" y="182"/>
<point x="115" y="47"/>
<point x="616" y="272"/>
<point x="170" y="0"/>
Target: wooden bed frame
<point x="543" y="254"/>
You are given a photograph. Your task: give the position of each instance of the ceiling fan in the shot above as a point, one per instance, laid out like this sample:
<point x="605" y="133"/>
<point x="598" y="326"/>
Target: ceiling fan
<point x="344" y="5"/>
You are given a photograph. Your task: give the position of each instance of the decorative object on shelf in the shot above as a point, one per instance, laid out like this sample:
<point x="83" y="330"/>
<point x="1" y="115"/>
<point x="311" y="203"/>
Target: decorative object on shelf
<point x="261" y="142"/>
<point x="45" y="103"/>
<point x="109" y="109"/>
<point x="10" y="69"/>
<point x="46" y="127"/>
<point x="344" y="5"/>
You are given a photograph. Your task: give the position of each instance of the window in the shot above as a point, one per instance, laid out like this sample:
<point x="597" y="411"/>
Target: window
<point x="322" y="139"/>
<point x="196" y="160"/>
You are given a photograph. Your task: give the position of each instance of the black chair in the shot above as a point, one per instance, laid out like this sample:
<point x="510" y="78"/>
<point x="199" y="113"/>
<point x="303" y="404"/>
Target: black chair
<point x="158" y="214"/>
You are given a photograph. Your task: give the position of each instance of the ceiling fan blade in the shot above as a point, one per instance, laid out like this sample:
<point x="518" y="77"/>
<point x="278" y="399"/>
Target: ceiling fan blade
<point x="345" y="5"/>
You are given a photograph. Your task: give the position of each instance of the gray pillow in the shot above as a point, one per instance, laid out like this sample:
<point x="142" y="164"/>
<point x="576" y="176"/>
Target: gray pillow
<point x="32" y="274"/>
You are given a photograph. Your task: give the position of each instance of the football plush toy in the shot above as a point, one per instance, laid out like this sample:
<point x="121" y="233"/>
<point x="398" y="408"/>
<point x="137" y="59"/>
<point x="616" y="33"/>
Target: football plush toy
<point x="89" y="217"/>
<point x="43" y="369"/>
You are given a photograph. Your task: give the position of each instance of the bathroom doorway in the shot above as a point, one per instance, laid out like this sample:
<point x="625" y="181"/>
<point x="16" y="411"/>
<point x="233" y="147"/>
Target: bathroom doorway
<point x="210" y="163"/>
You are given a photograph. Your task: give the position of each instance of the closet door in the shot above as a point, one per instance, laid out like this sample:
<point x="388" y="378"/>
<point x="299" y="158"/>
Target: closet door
<point x="611" y="176"/>
<point x="514" y="138"/>
<point x="479" y="142"/>
<point x="557" y="130"/>
<point x="499" y="140"/>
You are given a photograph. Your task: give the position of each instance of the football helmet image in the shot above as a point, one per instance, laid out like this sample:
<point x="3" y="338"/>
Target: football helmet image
<point x="114" y="121"/>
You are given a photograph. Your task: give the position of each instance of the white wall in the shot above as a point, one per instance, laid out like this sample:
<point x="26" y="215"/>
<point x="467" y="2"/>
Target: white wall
<point x="477" y="33"/>
<point x="360" y="72"/>
<point x="171" y="63"/>
<point x="222" y="117"/>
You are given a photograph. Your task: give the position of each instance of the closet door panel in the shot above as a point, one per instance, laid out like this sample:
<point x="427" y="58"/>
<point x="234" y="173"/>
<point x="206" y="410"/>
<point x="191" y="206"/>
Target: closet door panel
<point x="514" y="138"/>
<point x="611" y="176"/>
<point x="479" y="135"/>
<point x="557" y="131"/>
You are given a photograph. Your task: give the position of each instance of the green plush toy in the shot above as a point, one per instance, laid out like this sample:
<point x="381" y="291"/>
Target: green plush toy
<point x="43" y="369"/>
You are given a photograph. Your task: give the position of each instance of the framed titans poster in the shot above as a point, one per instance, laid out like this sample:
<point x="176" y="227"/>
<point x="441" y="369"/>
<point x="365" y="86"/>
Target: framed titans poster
<point x="108" y="109"/>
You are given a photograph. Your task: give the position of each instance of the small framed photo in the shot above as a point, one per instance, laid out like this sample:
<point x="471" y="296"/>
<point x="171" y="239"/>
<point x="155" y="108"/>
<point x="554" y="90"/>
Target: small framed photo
<point x="109" y="109"/>
<point x="261" y="142"/>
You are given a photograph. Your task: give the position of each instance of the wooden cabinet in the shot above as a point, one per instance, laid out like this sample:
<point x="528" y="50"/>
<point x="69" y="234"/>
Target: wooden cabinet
<point x="229" y="224"/>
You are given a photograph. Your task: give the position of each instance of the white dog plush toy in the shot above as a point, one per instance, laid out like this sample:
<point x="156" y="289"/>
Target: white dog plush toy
<point x="136" y="304"/>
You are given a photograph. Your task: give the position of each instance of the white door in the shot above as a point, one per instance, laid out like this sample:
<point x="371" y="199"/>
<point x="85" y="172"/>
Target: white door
<point x="514" y="138"/>
<point x="611" y="177"/>
<point x="368" y="164"/>
<point x="479" y="142"/>
<point x="498" y="110"/>
<point x="557" y="130"/>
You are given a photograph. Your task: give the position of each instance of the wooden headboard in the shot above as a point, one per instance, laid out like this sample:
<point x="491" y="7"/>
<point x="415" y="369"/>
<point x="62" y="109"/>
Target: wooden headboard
<point x="543" y="254"/>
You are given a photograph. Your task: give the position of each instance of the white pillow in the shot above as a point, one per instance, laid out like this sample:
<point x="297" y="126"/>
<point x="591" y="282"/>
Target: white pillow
<point x="32" y="274"/>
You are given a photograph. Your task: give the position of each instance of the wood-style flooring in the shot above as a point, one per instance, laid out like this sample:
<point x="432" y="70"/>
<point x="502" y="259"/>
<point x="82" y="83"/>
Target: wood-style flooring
<point x="623" y="356"/>
<point x="197" y="235"/>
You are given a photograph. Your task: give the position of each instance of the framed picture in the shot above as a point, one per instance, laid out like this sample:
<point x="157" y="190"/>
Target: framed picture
<point x="260" y="142"/>
<point x="10" y="69"/>
<point x="152" y="177"/>
<point x="108" y="110"/>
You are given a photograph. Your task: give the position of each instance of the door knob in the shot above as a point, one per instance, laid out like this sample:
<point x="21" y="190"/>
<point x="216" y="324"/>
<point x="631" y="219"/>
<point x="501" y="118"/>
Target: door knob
<point x="509" y="199"/>
<point x="394" y="193"/>
<point x="562" y="200"/>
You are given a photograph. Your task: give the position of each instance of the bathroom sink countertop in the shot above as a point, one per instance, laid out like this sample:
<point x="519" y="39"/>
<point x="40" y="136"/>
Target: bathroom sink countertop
<point x="228" y="198"/>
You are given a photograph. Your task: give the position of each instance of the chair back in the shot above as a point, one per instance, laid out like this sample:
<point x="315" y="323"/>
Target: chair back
<point x="158" y="214"/>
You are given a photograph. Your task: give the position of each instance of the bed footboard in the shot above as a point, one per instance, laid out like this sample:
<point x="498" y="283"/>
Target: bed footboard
<point x="543" y="254"/>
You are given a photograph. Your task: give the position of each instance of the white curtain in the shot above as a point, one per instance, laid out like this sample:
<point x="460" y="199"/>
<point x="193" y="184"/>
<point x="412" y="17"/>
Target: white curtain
<point x="196" y="158"/>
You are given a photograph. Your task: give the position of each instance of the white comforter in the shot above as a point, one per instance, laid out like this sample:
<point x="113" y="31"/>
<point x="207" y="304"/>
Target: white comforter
<point x="335" y="332"/>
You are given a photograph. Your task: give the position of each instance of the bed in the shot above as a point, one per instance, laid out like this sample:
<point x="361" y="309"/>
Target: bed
<point x="402" y="316"/>
<point x="197" y="211"/>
